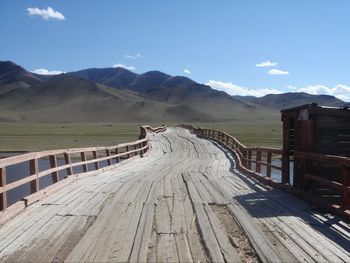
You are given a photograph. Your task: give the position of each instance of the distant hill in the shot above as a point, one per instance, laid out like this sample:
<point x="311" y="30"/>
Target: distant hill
<point x="65" y="98"/>
<point x="113" y="77"/>
<point x="13" y="76"/>
<point x="175" y="90"/>
<point x="120" y="77"/>
<point x="289" y="100"/>
<point x="119" y="95"/>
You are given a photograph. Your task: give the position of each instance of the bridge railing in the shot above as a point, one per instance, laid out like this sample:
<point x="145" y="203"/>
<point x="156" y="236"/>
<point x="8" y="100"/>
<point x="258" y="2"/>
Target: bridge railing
<point x="250" y="160"/>
<point x="263" y="163"/>
<point x="65" y="163"/>
<point x="327" y="188"/>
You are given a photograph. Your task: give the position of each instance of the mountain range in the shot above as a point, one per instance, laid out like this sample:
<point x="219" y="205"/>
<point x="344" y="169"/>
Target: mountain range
<point x="119" y="95"/>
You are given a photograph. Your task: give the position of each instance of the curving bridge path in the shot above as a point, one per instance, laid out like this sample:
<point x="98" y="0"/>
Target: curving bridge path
<point x="182" y="202"/>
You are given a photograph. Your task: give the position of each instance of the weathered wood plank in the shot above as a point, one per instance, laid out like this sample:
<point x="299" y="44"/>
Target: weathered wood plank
<point x="227" y="250"/>
<point x="168" y="192"/>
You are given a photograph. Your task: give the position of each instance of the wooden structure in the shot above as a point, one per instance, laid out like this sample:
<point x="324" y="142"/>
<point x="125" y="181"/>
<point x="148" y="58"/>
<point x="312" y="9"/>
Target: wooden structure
<point x="110" y="156"/>
<point x="255" y="161"/>
<point x="184" y="201"/>
<point x="317" y="139"/>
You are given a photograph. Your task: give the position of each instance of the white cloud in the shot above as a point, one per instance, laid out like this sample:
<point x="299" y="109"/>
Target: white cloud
<point x="291" y="87"/>
<point x="43" y="71"/>
<point x="233" y="89"/>
<point x="137" y="56"/>
<point x="266" y="63"/>
<point x="339" y="91"/>
<point x="187" y="71"/>
<point x="120" y="65"/>
<point x="46" y="14"/>
<point x="277" y="72"/>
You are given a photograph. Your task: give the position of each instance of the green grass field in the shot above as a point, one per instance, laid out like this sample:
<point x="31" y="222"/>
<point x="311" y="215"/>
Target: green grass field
<point x="36" y="137"/>
<point x="267" y="134"/>
<point x="39" y="136"/>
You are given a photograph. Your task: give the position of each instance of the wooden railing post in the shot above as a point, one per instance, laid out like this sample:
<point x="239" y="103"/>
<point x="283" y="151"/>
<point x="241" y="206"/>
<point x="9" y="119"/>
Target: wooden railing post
<point x="229" y="145"/>
<point x="258" y="160"/>
<point x="95" y="156"/>
<point x="286" y="155"/>
<point x="83" y="158"/>
<point x="268" y="168"/>
<point x="117" y="152"/>
<point x="134" y="148"/>
<point x="3" y="195"/>
<point x="346" y="183"/>
<point x="108" y="153"/>
<point x="34" y="170"/>
<point x="249" y="163"/>
<point x="53" y="164"/>
<point x="68" y="161"/>
<point x="244" y="162"/>
<point x="127" y="149"/>
<point x="141" y="150"/>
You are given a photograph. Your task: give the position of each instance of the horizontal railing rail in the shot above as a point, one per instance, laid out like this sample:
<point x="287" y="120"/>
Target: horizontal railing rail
<point x="251" y="159"/>
<point x="256" y="161"/>
<point x="339" y="162"/>
<point x="70" y="160"/>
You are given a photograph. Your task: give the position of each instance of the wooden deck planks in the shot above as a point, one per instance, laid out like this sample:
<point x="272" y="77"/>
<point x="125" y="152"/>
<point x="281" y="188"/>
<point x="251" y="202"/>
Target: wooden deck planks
<point x="160" y="208"/>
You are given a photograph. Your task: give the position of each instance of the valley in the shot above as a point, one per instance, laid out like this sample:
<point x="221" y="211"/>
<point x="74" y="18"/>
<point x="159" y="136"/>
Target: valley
<point x="106" y="106"/>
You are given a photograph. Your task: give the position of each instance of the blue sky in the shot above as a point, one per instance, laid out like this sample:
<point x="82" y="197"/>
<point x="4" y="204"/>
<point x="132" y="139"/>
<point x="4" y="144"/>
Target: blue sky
<point x="214" y="42"/>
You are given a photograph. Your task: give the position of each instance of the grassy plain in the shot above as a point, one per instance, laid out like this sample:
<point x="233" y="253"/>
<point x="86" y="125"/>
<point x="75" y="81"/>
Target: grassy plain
<point x="41" y="136"/>
<point x="261" y="133"/>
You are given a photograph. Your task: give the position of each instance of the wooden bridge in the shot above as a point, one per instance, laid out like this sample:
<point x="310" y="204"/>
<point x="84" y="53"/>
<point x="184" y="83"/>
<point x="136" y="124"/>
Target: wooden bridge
<point x="176" y="195"/>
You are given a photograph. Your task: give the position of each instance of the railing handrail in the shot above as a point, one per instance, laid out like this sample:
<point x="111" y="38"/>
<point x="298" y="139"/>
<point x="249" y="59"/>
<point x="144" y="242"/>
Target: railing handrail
<point x="244" y="160"/>
<point x="245" y="155"/>
<point x="323" y="157"/>
<point x="138" y="147"/>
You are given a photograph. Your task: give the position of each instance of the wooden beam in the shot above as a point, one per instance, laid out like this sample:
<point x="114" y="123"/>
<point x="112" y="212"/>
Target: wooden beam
<point x="249" y="164"/>
<point x="346" y="183"/>
<point x="95" y="156"/>
<point x="286" y="149"/>
<point x="68" y="161"/>
<point x="53" y="164"/>
<point x="108" y="153"/>
<point x="83" y="158"/>
<point x="127" y="149"/>
<point x="3" y="196"/>
<point x="117" y="152"/>
<point x="258" y="160"/>
<point x="34" y="170"/>
<point x="268" y="167"/>
<point x="245" y="158"/>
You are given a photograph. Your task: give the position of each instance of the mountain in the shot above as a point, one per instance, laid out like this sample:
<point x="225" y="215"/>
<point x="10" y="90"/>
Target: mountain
<point x="119" y="95"/>
<point x="176" y="90"/>
<point x="65" y="98"/>
<point x="289" y="100"/>
<point x="13" y="76"/>
<point x="120" y="77"/>
<point x="112" y="77"/>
